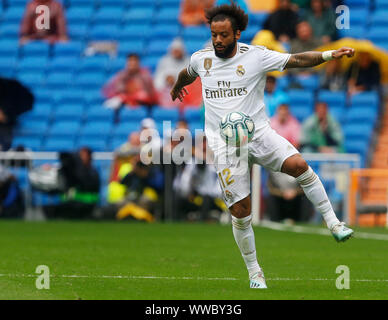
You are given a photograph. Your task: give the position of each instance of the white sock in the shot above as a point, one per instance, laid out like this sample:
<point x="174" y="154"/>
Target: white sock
<point x="245" y="239"/>
<point x="315" y="192"/>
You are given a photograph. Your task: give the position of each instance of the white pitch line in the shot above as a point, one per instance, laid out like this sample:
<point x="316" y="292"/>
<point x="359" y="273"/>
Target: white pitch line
<point x="177" y="278"/>
<point x="301" y="229"/>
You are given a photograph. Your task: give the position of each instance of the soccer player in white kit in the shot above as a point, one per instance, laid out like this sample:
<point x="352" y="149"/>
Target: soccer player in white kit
<point x="233" y="76"/>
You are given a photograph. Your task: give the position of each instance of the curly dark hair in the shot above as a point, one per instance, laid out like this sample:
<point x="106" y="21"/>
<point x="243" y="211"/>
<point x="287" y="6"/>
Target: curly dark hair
<point x="236" y="15"/>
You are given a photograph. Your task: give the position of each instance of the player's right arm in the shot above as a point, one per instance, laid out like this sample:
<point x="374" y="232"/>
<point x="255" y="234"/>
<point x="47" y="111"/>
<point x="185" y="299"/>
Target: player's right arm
<point x="179" y="91"/>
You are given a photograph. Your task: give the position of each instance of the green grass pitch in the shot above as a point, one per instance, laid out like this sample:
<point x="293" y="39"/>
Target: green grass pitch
<point x="182" y="261"/>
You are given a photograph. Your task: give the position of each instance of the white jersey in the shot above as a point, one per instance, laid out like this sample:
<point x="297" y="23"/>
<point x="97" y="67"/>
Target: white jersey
<point x="234" y="84"/>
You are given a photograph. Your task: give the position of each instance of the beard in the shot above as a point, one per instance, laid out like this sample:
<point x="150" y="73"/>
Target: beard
<point x="227" y="51"/>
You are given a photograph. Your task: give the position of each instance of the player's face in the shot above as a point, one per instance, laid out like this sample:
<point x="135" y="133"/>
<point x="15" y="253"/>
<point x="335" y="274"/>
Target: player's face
<point x="224" y="39"/>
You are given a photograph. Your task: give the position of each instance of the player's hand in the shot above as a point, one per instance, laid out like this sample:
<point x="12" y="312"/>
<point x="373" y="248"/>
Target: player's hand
<point x="180" y="94"/>
<point x="344" y="51"/>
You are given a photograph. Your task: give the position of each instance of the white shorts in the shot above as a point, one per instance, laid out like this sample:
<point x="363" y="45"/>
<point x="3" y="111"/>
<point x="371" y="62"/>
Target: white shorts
<point x="268" y="149"/>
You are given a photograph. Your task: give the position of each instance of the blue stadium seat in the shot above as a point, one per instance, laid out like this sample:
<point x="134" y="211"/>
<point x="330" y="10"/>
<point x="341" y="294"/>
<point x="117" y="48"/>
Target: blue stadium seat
<point x="100" y="113"/>
<point x="33" y="64"/>
<point x="36" y="48"/>
<point x="82" y="3"/>
<point x="108" y="15"/>
<point x="160" y="114"/>
<point x="247" y="35"/>
<point x="196" y="33"/>
<point x="381" y="5"/>
<point x="167" y="14"/>
<point x="359" y="4"/>
<point x="59" y="80"/>
<point x="14" y="14"/>
<point x="360" y="147"/>
<point x="115" y="65"/>
<point x="59" y="144"/>
<point x="151" y="62"/>
<point x="43" y="96"/>
<point x="123" y="129"/>
<point x="146" y="3"/>
<point x="90" y="80"/>
<point x="96" y="144"/>
<point x="301" y="111"/>
<point x="194" y="45"/>
<point x="135" y="15"/>
<point x="138" y="32"/>
<point x="104" y="32"/>
<point x="33" y="143"/>
<point x="301" y="97"/>
<point x="379" y="18"/>
<point x="65" y="128"/>
<point x="332" y="98"/>
<point x="361" y="114"/>
<point x="135" y="115"/>
<point x="192" y="114"/>
<point x="69" y="112"/>
<point x="78" y="31"/>
<point x="32" y="128"/>
<point x="131" y="46"/>
<point x="10" y="31"/>
<point x="308" y="82"/>
<point x="113" y="3"/>
<point x="368" y="100"/>
<point x="357" y="32"/>
<point x="62" y="64"/>
<point x="116" y="142"/>
<point x="9" y="48"/>
<point x="69" y="49"/>
<point x="96" y="128"/>
<point x="257" y="18"/>
<point x="358" y="131"/>
<point x="41" y="111"/>
<point x="164" y="31"/>
<point x="338" y="113"/>
<point x="96" y="63"/>
<point x="31" y="79"/>
<point x="78" y="14"/>
<point x="358" y="17"/>
<point x="378" y="33"/>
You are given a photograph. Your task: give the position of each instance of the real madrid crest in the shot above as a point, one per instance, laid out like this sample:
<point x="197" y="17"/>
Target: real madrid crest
<point x="240" y="70"/>
<point x="207" y="64"/>
<point x="228" y="195"/>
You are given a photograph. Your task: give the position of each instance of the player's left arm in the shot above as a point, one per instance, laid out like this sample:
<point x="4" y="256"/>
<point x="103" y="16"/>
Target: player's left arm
<point x="314" y="58"/>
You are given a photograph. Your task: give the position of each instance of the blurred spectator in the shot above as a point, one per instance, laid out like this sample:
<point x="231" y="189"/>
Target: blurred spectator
<point x="197" y="188"/>
<point x="273" y="96"/>
<point x="282" y="22"/>
<point x="193" y="11"/>
<point x="321" y="132"/>
<point x="170" y="64"/>
<point x="132" y="146"/>
<point x="132" y="86"/>
<point x="332" y="78"/>
<point x="241" y="3"/>
<point x="150" y="134"/>
<point x="165" y="100"/>
<point x="82" y="186"/>
<point x="363" y="74"/>
<point x="285" y="124"/>
<point x="286" y="201"/>
<point x="305" y="40"/>
<point x="300" y="4"/>
<point x="322" y="21"/>
<point x="11" y="197"/>
<point x="14" y="100"/>
<point x="57" y="23"/>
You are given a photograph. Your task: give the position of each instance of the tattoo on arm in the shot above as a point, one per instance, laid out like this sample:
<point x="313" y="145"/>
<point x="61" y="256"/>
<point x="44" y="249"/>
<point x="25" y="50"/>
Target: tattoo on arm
<point x="184" y="79"/>
<point x="305" y="59"/>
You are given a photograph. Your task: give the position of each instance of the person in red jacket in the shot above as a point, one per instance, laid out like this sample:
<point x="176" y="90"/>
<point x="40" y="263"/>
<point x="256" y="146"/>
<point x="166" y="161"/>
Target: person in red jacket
<point x="57" y="23"/>
<point x="132" y="86"/>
